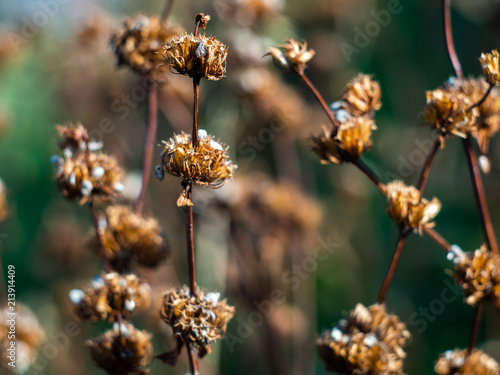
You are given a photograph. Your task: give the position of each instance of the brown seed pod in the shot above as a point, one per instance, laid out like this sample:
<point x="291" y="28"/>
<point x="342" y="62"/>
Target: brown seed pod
<point x="460" y="362"/>
<point x="490" y="63"/>
<point x="362" y="96"/>
<point x="292" y="55"/>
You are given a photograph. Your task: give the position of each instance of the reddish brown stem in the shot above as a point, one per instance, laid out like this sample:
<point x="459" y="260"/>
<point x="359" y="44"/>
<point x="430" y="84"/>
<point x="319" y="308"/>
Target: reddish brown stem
<point x="448" y="37"/>
<point x="193" y="364"/>
<point x="437" y="238"/>
<point x="196" y="28"/>
<point x="320" y="100"/>
<point x="168" y="10"/>
<point x="371" y="175"/>
<point x="95" y="221"/>
<point x="476" y="322"/>
<point x="477" y="184"/>
<point x="403" y="236"/>
<point x="483" y="99"/>
<point x="424" y="174"/>
<point x="190" y="243"/>
<point x="194" y="132"/>
<point x="148" y="145"/>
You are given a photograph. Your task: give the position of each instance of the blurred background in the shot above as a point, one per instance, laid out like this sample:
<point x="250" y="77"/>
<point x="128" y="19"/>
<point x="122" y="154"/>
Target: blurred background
<point x="291" y="243"/>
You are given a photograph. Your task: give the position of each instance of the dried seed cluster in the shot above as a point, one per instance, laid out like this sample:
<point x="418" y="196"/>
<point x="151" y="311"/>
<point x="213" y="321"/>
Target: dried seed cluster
<point x="111" y="297"/>
<point x="127" y="236"/>
<point x="138" y="43"/>
<point x="490" y="62"/>
<point x="369" y="341"/>
<point x="122" y="350"/>
<point x="478" y="273"/>
<point x="458" y="362"/>
<point x="354" y="114"/>
<point x="208" y="165"/>
<point x="84" y="171"/>
<point x="407" y="208"/>
<point x="292" y="55"/>
<point x="196" y="56"/>
<point x="199" y="320"/>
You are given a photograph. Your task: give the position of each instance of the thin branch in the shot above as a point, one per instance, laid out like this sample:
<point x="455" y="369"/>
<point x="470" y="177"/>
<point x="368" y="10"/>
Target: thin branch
<point x="403" y="236"/>
<point x="190" y="243"/>
<point x="485" y="96"/>
<point x="194" y="132"/>
<point x="480" y="195"/>
<point x="168" y="10"/>
<point x="371" y="175"/>
<point x="476" y="322"/>
<point x="437" y="238"/>
<point x="148" y="145"/>
<point x="95" y="221"/>
<point x="448" y="37"/>
<point x="424" y="174"/>
<point x="193" y="364"/>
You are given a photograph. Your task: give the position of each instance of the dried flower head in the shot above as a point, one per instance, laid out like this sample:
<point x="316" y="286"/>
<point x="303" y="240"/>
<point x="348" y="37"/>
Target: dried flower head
<point x="4" y="208"/>
<point x="248" y="12"/>
<point x="478" y="273"/>
<point x="197" y="56"/>
<point x="84" y="171"/>
<point x="407" y="208"/>
<point x="208" y="165"/>
<point x="199" y="320"/>
<point x="352" y="139"/>
<point x="460" y="362"/>
<point x="122" y="350"/>
<point x="292" y="55"/>
<point x="490" y="63"/>
<point x="111" y="297"/>
<point x="127" y="236"/>
<point x="138" y="43"/>
<point x="370" y="341"/>
<point x="449" y="112"/>
<point x="29" y="336"/>
<point x="362" y="96"/>
<point x="201" y="20"/>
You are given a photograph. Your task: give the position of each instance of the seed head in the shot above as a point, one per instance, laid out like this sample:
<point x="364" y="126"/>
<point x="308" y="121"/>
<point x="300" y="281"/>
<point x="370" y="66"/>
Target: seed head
<point x="406" y="207"/>
<point x="370" y="341"/>
<point x="460" y="362"/>
<point x="196" y="56"/>
<point x="292" y="56"/>
<point x="199" y="320"/>
<point x="362" y="96"/>
<point x="490" y="62"/>
<point x="123" y="350"/>
<point x="110" y="297"/>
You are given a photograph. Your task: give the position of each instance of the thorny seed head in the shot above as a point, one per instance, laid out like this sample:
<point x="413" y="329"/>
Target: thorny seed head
<point x="122" y="350"/>
<point x="352" y="139"/>
<point x="199" y="320"/>
<point x="138" y="43"/>
<point x="196" y="56"/>
<point x="208" y="165"/>
<point x="292" y="56"/>
<point x="370" y="342"/>
<point x="111" y="297"/>
<point x="478" y="274"/>
<point x="407" y="208"/>
<point x="128" y="236"/>
<point x="362" y="96"/>
<point x="490" y="63"/>
<point x="460" y="362"/>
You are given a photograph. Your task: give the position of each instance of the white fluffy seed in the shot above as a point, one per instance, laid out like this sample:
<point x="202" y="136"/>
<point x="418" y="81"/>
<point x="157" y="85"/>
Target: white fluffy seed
<point x="76" y="296"/>
<point x="130" y="305"/>
<point x="98" y="172"/>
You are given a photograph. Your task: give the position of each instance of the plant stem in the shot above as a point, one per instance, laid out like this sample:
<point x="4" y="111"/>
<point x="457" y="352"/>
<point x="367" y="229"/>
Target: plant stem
<point x="448" y="37"/>
<point x="190" y="243"/>
<point x="168" y="10"/>
<point x="424" y="174"/>
<point x="437" y="238"/>
<point x="321" y="101"/>
<point x="193" y="364"/>
<point x="483" y="99"/>
<point x="476" y="322"/>
<point x="95" y="221"/>
<point x="371" y="175"/>
<point x="480" y="195"/>
<point x="148" y="145"/>
<point x="196" y="89"/>
<point x="403" y="236"/>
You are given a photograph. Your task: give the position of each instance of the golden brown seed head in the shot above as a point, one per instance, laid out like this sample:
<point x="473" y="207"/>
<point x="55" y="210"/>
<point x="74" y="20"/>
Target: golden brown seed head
<point x="490" y="63"/>
<point x="201" y="20"/>
<point x="199" y="320"/>
<point x="208" y="165"/>
<point x="111" y="297"/>
<point x="406" y="207"/>
<point x="122" y="350"/>
<point x="196" y="56"/>
<point x="292" y="55"/>
<point x="138" y="43"/>
<point x="458" y="362"/>
<point x="362" y="96"/>
<point x="369" y="341"/>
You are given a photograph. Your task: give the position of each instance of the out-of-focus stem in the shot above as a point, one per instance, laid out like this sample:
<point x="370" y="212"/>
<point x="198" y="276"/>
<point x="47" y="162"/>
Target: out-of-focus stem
<point x="371" y="175"/>
<point x="480" y="195"/>
<point x="193" y="364"/>
<point x="95" y="221"/>
<point x="424" y="174"/>
<point x="168" y="10"/>
<point x="196" y="89"/>
<point x="476" y="322"/>
<point x="148" y="145"/>
<point x="190" y="244"/>
<point x="448" y="37"/>
<point x="403" y="236"/>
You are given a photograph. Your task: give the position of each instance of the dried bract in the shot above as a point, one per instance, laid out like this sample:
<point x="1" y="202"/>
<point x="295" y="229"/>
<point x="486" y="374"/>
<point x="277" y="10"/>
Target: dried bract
<point x="406" y="207"/>
<point x="111" y="297"/>
<point x="199" y="320"/>
<point x="196" y="56"/>
<point x="362" y="96"/>
<point x="370" y="341"/>
<point x="122" y="350"/>
<point x="478" y="273"/>
<point x="460" y="362"/>
<point x="138" y="43"/>
<point x="490" y="63"/>
<point x="292" y="55"/>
